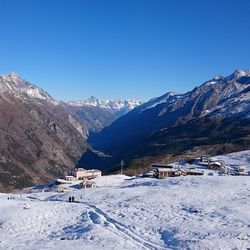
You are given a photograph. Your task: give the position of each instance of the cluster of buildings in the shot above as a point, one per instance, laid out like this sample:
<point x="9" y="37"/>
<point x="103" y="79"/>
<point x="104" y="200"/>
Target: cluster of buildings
<point x="161" y="170"/>
<point x="222" y="168"/>
<point x="82" y="176"/>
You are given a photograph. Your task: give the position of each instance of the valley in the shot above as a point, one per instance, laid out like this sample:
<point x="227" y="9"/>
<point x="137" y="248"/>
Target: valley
<point x="196" y="205"/>
<point x="213" y="119"/>
<point x="43" y="138"/>
<point x="124" y="125"/>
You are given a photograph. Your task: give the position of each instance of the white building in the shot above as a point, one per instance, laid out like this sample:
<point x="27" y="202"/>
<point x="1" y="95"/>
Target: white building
<point x="70" y="178"/>
<point x="86" y="174"/>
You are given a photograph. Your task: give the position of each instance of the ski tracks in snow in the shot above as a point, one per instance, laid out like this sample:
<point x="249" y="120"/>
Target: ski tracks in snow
<point x="98" y="216"/>
<point x="120" y="228"/>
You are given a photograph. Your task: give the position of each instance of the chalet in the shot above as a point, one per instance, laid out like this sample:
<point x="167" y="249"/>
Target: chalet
<point x="162" y="173"/>
<point x="215" y="165"/>
<point x="86" y="174"/>
<point x="192" y="172"/>
<point x="87" y="184"/>
<point x="161" y="165"/>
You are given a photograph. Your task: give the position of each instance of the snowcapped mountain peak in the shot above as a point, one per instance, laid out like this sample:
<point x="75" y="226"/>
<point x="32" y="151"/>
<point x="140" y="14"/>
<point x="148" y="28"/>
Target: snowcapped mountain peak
<point x="93" y="99"/>
<point x="218" y="78"/>
<point x="13" y="76"/>
<point x="15" y="79"/>
<point x="238" y="74"/>
<point x="13" y="83"/>
<point x="106" y="104"/>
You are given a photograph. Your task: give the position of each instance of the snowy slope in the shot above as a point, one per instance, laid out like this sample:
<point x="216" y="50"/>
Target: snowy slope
<point x="209" y="212"/>
<point x="238" y="159"/>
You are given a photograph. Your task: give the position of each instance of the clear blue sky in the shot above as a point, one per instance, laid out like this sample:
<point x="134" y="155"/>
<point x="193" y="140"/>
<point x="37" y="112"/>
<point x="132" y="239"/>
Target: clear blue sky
<point x="122" y="48"/>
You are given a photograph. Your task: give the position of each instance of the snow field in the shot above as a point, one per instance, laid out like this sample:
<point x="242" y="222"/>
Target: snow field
<point x="199" y="212"/>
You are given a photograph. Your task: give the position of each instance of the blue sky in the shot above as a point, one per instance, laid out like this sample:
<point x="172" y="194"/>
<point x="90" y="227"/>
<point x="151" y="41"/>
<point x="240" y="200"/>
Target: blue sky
<point x="122" y="48"/>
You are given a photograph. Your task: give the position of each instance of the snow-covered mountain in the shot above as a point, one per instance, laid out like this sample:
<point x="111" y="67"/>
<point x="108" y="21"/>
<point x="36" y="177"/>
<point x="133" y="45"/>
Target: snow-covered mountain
<point x="97" y="114"/>
<point x="107" y="104"/>
<point x="238" y="101"/>
<point x="214" y="112"/>
<point x="13" y="83"/>
<point x="213" y="94"/>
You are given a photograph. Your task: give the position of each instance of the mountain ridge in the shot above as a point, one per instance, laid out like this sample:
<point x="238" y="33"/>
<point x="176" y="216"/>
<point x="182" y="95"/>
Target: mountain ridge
<point x="21" y="87"/>
<point x="115" y="104"/>
<point x="97" y="114"/>
<point x="210" y="102"/>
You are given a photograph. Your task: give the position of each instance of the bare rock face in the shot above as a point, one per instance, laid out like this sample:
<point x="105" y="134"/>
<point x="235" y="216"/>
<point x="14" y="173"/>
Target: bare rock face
<point x="39" y="139"/>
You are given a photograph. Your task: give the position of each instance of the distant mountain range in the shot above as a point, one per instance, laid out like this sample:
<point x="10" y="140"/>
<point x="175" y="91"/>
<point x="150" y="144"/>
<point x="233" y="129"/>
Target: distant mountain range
<point x="96" y="114"/>
<point x="212" y="118"/>
<point x="107" y="104"/>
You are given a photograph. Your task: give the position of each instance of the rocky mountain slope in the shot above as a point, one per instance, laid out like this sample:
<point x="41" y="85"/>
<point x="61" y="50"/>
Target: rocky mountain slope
<point x="97" y="114"/>
<point x="39" y="139"/>
<point x="212" y="118"/>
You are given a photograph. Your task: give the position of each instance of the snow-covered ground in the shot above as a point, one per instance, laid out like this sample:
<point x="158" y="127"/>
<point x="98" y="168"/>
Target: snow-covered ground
<point x="238" y="159"/>
<point x="192" y="212"/>
<point x="187" y="212"/>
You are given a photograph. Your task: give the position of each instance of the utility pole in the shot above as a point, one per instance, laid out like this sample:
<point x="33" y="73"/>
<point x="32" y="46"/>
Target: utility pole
<point x="122" y="164"/>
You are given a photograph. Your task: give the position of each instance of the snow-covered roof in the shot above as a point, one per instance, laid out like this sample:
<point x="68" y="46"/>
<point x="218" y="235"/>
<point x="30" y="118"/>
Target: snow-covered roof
<point x="166" y="170"/>
<point x="216" y="163"/>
